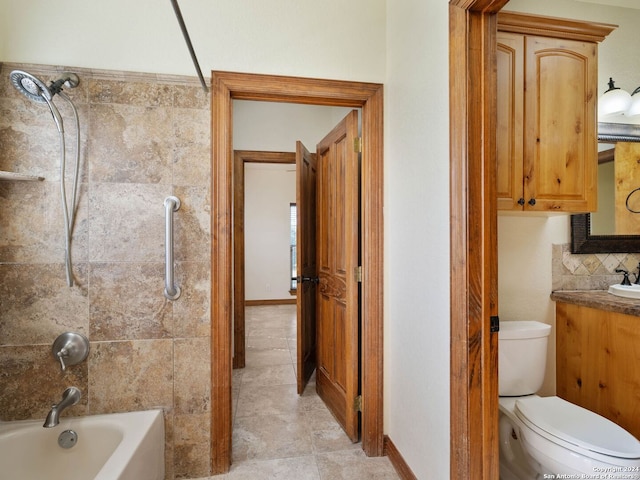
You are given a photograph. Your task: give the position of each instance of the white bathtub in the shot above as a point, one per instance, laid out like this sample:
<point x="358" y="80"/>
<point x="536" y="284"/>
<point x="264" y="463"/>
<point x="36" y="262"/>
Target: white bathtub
<point x="118" y="446"/>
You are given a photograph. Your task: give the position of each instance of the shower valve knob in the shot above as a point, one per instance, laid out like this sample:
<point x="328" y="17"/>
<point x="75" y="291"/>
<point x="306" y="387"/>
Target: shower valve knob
<point x="70" y="349"/>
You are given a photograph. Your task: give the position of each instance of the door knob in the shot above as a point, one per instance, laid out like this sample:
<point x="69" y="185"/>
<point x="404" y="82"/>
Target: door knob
<point x="303" y="279"/>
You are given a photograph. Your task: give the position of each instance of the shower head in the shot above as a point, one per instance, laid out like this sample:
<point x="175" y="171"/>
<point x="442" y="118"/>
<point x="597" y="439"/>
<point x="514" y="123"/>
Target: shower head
<point x="34" y="89"/>
<point x="30" y="86"/>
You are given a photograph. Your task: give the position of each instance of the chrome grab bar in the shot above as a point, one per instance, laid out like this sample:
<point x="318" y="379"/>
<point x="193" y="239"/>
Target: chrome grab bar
<point x="171" y="291"/>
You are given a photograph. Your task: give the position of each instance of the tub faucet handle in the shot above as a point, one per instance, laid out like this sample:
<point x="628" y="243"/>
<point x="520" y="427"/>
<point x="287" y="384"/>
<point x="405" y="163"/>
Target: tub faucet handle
<point x="61" y="354"/>
<point x="70" y="349"/>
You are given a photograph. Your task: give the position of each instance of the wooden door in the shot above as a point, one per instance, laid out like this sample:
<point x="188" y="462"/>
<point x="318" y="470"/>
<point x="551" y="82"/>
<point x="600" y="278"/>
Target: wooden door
<point x="306" y="178"/>
<point x="337" y="377"/>
<point x="560" y="158"/>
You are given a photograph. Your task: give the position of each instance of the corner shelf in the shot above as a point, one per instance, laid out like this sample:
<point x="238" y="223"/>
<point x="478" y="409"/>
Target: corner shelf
<point x="19" y="176"/>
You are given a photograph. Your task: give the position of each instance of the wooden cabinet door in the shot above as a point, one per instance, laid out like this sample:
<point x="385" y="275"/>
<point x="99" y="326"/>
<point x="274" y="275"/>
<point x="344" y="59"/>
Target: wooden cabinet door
<point x="597" y="357"/>
<point x="338" y="208"/>
<point x="510" y="83"/>
<point x="560" y="148"/>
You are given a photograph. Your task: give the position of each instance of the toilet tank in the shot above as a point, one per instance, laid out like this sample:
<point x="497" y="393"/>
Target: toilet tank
<point x="522" y="357"/>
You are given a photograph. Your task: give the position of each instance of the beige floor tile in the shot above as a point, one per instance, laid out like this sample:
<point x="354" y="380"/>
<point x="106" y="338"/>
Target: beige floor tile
<point x="268" y="400"/>
<point x="300" y="468"/>
<point x="270" y="437"/>
<point x="269" y="375"/>
<point x="278" y="434"/>
<point x="265" y="342"/>
<point x="354" y="465"/>
<point x="261" y="356"/>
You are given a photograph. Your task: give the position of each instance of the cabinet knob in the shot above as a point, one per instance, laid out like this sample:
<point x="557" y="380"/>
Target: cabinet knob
<point x="532" y="202"/>
<point x="521" y="201"/>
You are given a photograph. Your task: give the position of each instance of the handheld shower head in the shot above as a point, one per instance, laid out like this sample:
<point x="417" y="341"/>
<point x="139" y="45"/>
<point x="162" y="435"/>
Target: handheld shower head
<point x="35" y="89"/>
<point x="30" y="86"/>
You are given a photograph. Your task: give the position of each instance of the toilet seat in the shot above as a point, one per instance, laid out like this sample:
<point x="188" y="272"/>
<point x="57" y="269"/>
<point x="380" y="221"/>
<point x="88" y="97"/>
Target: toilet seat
<point x="555" y="418"/>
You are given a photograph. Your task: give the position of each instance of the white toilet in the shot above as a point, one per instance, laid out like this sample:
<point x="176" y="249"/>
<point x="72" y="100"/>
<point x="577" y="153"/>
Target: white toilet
<point x="543" y="437"/>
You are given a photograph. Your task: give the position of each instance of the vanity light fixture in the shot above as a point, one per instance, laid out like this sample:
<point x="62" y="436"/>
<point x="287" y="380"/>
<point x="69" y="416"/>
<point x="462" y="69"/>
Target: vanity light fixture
<point x="614" y="101"/>
<point x="634" y="108"/>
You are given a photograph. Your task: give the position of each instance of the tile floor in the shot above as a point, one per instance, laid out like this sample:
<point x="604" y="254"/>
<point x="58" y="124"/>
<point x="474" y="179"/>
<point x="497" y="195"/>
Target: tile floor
<point x="278" y="434"/>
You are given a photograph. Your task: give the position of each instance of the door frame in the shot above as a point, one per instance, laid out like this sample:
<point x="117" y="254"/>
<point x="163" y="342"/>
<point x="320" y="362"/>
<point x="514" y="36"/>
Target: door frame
<point x="225" y="87"/>
<point x="240" y="158"/>
<point x="474" y="262"/>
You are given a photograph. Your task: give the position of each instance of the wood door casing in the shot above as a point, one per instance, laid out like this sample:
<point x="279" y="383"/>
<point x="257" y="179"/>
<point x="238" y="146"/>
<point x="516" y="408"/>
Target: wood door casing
<point x="225" y="87"/>
<point x="338" y="218"/>
<point x="306" y="201"/>
<point x="474" y="266"/>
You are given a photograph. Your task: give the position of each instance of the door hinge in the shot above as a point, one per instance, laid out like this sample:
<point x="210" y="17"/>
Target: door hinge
<point x="357" y="403"/>
<point x="357" y="144"/>
<point x="358" y="274"/>
<point x="494" y="323"/>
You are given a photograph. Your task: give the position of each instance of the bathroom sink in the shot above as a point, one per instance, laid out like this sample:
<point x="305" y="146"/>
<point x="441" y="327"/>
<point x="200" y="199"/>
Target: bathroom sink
<point x="627" y="291"/>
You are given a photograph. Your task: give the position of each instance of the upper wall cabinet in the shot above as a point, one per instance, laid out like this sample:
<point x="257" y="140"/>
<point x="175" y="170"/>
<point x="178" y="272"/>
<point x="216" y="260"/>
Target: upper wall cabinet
<point x="546" y="113"/>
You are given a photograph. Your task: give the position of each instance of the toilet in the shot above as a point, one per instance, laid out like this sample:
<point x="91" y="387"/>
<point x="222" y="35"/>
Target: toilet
<point x="548" y="437"/>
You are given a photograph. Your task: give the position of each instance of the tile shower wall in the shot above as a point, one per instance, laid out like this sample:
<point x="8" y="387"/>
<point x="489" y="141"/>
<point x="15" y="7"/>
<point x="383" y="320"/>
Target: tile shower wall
<point x="592" y="271"/>
<point x="143" y="137"/>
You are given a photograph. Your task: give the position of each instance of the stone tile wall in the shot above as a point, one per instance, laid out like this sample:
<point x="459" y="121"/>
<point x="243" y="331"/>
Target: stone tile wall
<point x="593" y="271"/>
<point x="143" y="137"/>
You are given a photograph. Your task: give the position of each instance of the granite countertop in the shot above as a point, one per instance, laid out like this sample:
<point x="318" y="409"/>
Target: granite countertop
<point x="600" y="299"/>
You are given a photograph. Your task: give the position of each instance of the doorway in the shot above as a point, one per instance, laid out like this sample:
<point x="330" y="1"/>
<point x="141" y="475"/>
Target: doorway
<point x="240" y="158"/>
<point x="226" y="87"/>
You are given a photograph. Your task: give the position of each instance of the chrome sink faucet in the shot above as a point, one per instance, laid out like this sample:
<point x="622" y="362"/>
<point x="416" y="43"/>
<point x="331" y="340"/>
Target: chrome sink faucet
<point x="70" y="397"/>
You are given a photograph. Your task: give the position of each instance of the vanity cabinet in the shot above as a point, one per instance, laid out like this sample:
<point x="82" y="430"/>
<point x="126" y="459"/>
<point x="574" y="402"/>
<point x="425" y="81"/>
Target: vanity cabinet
<point x="546" y="113"/>
<point x="597" y="360"/>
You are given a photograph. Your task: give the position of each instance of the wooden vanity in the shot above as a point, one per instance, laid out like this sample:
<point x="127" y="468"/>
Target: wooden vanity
<point x="598" y="354"/>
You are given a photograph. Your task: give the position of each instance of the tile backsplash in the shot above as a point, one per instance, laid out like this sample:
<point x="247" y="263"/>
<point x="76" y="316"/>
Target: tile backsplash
<point x="591" y="271"/>
<point x="143" y="137"/>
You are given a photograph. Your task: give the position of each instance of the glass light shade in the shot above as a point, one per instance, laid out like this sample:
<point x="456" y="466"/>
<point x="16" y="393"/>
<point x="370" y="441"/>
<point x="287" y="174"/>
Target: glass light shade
<point x="634" y="108"/>
<point x="614" y="102"/>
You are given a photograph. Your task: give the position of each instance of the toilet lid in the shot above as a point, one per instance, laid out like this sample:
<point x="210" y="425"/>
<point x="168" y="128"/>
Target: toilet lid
<point x="578" y="426"/>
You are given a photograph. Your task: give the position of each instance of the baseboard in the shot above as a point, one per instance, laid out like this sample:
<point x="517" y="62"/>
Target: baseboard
<point x="283" y="301"/>
<point x="397" y="461"/>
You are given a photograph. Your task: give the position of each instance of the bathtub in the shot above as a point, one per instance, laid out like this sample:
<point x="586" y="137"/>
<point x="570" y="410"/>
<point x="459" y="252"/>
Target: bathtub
<point x="118" y="446"/>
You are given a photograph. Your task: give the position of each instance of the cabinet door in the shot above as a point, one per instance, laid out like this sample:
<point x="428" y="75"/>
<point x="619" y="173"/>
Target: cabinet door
<point x="560" y="152"/>
<point x="510" y="83"/>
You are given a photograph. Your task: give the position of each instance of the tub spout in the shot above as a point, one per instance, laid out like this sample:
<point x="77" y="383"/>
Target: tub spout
<point x="70" y="397"/>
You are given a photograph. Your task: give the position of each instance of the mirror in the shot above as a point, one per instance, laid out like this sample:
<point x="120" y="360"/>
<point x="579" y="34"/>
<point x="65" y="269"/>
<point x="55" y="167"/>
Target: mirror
<point x="595" y="233"/>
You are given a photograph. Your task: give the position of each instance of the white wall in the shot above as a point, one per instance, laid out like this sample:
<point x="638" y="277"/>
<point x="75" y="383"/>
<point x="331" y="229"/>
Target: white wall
<point x="276" y="127"/>
<point x="269" y="189"/>
<point x="314" y="39"/>
<point x="417" y="333"/>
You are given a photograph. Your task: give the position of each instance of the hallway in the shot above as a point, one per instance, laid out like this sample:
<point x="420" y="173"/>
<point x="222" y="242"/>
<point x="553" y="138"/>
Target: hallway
<point x="278" y="434"/>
